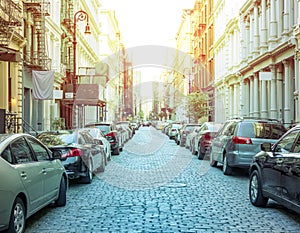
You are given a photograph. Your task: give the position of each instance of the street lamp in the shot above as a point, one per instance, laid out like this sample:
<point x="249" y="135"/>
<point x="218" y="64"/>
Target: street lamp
<point x="78" y="16"/>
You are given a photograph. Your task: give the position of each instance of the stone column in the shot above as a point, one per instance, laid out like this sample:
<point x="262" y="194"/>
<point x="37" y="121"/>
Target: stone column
<point x="286" y="19"/>
<point x="255" y="50"/>
<point x="243" y="40"/>
<point x="255" y="95"/>
<point x="280" y="18"/>
<point x="264" y="98"/>
<point x="251" y="97"/>
<point x="287" y="92"/>
<point x="279" y="95"/>
<point x="250" y="54"/>
<point x="297" y="65"/>
<point x="273" y="24"/>
<point x="263" y="30"/>
<point x="296" y="85"/>
<point x="247" y="39"/>
<point x="273" y="110"/>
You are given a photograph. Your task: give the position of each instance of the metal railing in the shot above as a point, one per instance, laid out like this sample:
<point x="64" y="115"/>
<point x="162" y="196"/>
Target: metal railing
<point x="15" y="124"/>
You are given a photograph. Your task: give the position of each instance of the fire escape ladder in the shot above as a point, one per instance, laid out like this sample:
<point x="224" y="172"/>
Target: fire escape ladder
<point x="67" y="24"/>
<point x="10" y="20"/>
<point x="39" y="10"/>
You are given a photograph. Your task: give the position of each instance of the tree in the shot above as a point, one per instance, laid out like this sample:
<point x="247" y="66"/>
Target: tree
<point x="197" y="105"/>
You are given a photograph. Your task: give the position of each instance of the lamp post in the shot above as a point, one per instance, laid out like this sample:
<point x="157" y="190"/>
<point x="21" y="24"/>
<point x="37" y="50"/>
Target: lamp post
<point x="78" y="16"/>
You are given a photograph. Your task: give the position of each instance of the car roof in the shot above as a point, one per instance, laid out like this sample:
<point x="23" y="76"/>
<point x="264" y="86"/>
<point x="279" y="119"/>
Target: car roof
<point x="255" y="119"/>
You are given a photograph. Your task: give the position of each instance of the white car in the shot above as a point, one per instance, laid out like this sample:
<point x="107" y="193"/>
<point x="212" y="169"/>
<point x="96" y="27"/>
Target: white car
<point x="98" y="135"/>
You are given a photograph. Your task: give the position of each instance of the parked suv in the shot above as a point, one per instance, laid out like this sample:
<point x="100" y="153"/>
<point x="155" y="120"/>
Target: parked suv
<point x="275" y="172"/>
<point x="240" y="139"/>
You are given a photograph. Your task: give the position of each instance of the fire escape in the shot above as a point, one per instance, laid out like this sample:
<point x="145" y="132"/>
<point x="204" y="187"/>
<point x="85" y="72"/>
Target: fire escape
<point x="67" y="39"/>
<point x="38" y="58"/>
<point x="10" y="25"/>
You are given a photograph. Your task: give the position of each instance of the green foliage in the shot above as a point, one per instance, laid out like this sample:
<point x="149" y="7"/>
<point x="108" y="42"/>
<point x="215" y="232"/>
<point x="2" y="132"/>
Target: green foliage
<point x="197" y="105"/>
<point x="141" y="114"/>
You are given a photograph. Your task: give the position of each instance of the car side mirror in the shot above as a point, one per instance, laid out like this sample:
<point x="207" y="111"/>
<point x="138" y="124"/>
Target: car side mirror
<point x="266" y="147"/>
<point x="56" y="155"/>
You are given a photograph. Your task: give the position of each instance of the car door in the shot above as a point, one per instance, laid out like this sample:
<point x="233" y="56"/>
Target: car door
<point x="277" y="165"/>
<point x="291" y="171"/>
<point x="94" y="150"/>
<point x="50" y="169"/>
<point x="31" y="174"/>
<point x="220" y="142"/>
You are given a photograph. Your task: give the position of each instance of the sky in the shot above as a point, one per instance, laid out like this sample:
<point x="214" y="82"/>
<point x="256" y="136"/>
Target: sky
<point x="154" y="22"/>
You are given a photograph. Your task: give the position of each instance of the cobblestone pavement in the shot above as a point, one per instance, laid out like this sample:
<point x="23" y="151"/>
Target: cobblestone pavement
<point x="155" y="185"/>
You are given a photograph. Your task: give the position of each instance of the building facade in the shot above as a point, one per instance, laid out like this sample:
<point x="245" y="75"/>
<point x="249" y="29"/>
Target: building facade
<point x="269" y="48"/>
<point x="12" y="42"/>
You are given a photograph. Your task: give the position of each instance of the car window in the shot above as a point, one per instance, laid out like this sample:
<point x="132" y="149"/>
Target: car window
<point x="229" y="128"/>
<point x="87" y="138"/>
<point x="261" y="130"/>
<point x="285" y="145"/>
<point x="297" y="144"/>
<point x="6" y="154"/>
<point x="21" y="151"/>
<point x="40" y="152"/>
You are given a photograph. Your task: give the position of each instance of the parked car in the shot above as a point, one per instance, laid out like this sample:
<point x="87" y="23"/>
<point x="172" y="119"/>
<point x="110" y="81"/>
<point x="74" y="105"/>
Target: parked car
<point x="184" y="131"/>
<point x="191" y="137"/>
<point x="275" y="172"/>
<point x="111" y="133"/>
<point x="202" y="140"/>
<point x="173" y="130"/>
<point x="146" y="123"/>
<point x="81" y="156"/>
<point x="239" y="140"/>
<point x="127" y="125"/>
<point x="99" y="137"/>
<point x="124" y="134"/>
<point x="31" y="177"/>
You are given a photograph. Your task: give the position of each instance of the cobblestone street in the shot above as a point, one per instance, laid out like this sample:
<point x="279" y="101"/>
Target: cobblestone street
<point x="155" y="185"/>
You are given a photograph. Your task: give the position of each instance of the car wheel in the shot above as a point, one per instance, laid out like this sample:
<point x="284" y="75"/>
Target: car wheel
<point x="227" y="170"/>
<point x="17" y="217"/>
<point x="116" y="151"/>
<point x="62" y="195"/>
<point x="102" y="167"/>
<point x="212" y="162"/>
<point x="255" y="190"/>
<point x="200" y="154"/>
<point x="194" y="152"/>
<point x="89" y="174"/>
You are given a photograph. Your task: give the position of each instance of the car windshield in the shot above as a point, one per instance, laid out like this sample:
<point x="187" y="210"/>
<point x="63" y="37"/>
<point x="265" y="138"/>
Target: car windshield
<point x="176" y="126"/>
<point x="3" y="137"/>
<point x="57" y="139"/>
<point x="261" y="130"/>
<point x="104" y="128"/>
<point x="190" y="127"/>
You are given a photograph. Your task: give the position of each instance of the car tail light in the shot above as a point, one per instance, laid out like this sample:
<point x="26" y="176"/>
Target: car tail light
<point x="111" y="134"/>
<point x="74" y="152"/>
<point x="241" y="140"/>
<point x="207" y="136"/>
<point x="111" y="137"/>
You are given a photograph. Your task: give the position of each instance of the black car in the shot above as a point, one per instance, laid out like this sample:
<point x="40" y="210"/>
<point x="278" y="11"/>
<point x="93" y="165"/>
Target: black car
<point x="81" y="156"/>
<point x="275" y="172"/>
<point x="111" y="133"/>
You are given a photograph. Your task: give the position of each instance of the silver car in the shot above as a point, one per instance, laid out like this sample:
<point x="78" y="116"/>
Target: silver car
<point x="31" y="177"/>
<point x="240" y="139"/>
